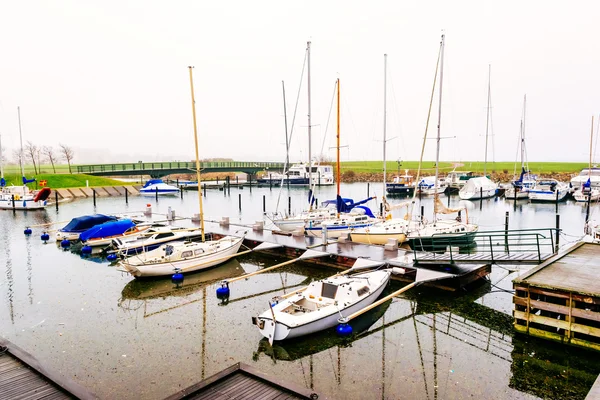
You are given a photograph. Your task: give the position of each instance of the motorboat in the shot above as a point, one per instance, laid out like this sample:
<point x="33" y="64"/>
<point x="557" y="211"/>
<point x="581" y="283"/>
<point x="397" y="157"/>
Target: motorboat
<point x="299" y="175"/>
<point x="319" y="305"/>
<point x="401" y="185"/>
<point x="480" y="187"/>
<point x="427" y="187"/>
<point x="593" y="174"/>
<point x="548" y="190"/>
<point x="152" y="238"/>
<point x="157" y="186"/>
<point x="176" y="257"/>
<point x="103" y="234"/>
<point x="455" y="180"/>
<point x="78" y="225"/>
<point x="587" y="193"/>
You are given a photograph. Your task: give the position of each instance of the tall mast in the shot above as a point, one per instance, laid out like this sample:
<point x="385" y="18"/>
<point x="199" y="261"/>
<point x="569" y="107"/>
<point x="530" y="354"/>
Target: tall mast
<point x="487" y="120"/>
<point x="384" y="120"/>
<point x="21" y="138"/>
<point x="287" y="143"/>
<point x="523" y="133"/>
<point x="437" y="151"/>
<point x="337" y="178"/>
<point x="591" y="144"/>
<point x="309" y="125"/>
<point x="1" y="163"/>
<point x="197" y="157"/>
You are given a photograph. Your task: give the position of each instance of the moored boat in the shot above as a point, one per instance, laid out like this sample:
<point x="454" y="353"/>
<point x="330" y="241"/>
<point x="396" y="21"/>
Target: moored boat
<point x="152" y="238"/>
<point x="103" y="234"/>
<point x="480" y="187"/>
<point x="78" y="225"/>
<point x="401" y="185"/>
<point x="157" y="186"/>
<point x="548" y="190"/>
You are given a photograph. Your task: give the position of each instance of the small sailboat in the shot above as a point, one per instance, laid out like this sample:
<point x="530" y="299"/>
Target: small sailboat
<point x="157" y="186"/>
<point x="319" y="305"/>
<point x="182" y="257"/>
<point x="519" y="188"/>
<point x="152" y="238"/>
<point x="427" y="186"/>
<point x="587" y="192"/>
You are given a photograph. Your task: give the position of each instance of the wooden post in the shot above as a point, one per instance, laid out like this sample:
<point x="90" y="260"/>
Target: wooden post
<point x="264" y="204"/>
<point x="368" y="189"/>
<point x="217" y="180"/>
<point x="240" y="201"/>
<point x="56" y="199"/>
<point x="289" y="205"/>
<point x="94" y="192"/>
<point x="506" y="231"/>
<point x="205" y="190"/>
<point x="126" y="196"/>
<point x="13" y="201"/>
<point x="422" y="213"/>
<point x="237" y="182"/>
<point x="181" y="192"/>
<point x="156" y="193"/>
<point x="557" y="232"/>
<point x="270" y="182"/>
<point x="480" y="198"/>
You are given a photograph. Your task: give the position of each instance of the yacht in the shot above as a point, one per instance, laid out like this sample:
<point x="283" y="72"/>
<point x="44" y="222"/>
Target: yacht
<point x="298" y="174"/>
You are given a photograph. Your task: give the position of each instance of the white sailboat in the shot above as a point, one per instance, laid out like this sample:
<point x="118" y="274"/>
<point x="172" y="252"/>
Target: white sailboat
<point x="440" y="233"/>
<point x="519" y="189"/>
<point x="21" y="197"/>
<point x="481" y="187"/>
<point x="174" y="259"/>
<point x="587" y="192"/>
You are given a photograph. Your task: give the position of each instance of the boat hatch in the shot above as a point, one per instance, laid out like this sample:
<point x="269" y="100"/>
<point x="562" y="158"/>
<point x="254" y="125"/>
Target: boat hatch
<point x="329" y="290"/>
<point x="362" y="290"/>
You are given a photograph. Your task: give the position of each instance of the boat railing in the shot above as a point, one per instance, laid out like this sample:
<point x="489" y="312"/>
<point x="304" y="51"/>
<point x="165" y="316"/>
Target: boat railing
<point x="495" y="246"/>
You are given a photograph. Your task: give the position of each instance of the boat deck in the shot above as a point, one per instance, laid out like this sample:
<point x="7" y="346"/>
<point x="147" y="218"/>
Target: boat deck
<point x="242" y="382"/>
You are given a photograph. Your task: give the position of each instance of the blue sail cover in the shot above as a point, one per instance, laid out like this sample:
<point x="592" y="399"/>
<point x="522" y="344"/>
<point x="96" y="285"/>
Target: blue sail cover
<point x="2" y="182"/>
<point x="344" y="207"/>
<point x="107" y="229"/>
<point x="84" y="223"/>
<point x="519" y="183"/>
<point x="26" y="181"/>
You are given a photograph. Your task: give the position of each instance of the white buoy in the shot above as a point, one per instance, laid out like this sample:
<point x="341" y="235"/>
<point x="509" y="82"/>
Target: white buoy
<point x="169" y="214"/>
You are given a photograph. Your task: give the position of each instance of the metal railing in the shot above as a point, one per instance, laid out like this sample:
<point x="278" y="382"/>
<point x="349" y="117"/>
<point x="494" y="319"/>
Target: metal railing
<point x="191" y="165"/>
<point x="521" y="244"/>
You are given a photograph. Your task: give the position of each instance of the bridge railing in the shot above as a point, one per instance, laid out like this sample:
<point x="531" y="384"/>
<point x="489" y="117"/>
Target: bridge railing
<point x="535" y="242"/>
<point x="171" y="165"/>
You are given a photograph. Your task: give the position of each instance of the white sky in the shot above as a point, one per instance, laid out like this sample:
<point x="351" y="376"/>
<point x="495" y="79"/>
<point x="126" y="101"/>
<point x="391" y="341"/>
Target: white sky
<point x="110" y="78"/>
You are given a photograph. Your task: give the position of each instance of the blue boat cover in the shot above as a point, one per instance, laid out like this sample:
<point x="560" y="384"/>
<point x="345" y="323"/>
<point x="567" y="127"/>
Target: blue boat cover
<point x="84" y="223"/>
<point x="107" y="229"/>
<point x="153" y="182"/>
<point x="344" y="207"/>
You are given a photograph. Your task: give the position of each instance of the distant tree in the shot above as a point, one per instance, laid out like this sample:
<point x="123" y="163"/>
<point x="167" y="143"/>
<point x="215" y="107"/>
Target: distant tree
<point x="33" y="153"/>
<point x="18" y="156"/>
<point x="50" y="155"/>
<point x="67" y="154"/>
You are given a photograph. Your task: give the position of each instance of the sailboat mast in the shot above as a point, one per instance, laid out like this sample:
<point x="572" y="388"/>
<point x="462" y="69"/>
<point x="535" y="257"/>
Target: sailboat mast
<point x="21" y="138"/>
<point x="591" y="145"/>
<point x="1" y="162"/>
<point x="287" y="143"/>
<point x="437" y="151"/>
<point x="309" y="125"/>
<point x="523" y="133"/>
<point x="384" y="121"/>
<point x="197" y="157"/>
<point x="337" y="178"/>
<point x="487" y="119"/>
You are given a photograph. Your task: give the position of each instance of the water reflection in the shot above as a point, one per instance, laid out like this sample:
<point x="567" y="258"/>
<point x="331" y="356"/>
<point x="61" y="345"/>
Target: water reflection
<point x="9" y="273"/>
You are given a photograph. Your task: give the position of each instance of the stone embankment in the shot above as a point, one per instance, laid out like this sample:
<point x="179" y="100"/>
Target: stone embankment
<point x="351" y="176"/>
<point x="101" y="191"/>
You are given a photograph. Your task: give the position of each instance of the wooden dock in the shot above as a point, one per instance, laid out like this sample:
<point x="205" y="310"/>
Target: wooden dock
<point x="560" y="299"/>
<point x="242" y="382"/>
<point x="23" y="377"/>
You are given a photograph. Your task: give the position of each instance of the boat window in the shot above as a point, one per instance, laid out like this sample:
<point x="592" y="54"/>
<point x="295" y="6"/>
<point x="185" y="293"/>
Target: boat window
<point x="168" y="250"/>
<point x="164" y="235"/>
<point x="186" y="254"/>
<point x="198" y="251"/>
<point x="329" y="290"/>
<point x="362" y="290"/>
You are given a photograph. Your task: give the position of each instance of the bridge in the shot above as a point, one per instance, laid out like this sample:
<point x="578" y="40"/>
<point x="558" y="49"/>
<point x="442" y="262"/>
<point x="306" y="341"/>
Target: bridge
<point x="160" y="169"/>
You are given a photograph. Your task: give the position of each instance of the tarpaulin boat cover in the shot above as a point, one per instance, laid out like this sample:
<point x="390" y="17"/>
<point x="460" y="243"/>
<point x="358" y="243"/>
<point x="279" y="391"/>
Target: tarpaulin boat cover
<point x="84" y="223"/>
<point x="107" y="229"/>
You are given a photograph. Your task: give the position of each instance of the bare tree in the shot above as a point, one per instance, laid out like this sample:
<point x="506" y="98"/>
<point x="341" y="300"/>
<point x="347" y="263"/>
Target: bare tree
<point x="67" y="154"/>
<point x="17" y="156"/>
<point x="50" y="155"/>
<point x="32" y="152"/>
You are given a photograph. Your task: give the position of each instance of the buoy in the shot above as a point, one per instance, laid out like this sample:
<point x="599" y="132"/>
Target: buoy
<point x="86" y="249"/>
<point x="27" y="231"/>
<point x="177" y="277"/>
<point x="65" y="243"/>
<point x="223" y="292"/>
<point x="344" y="330"/>
<point x="111" y="257"/>
<point x="148" y="210"/>
<point x="45" y="237"/>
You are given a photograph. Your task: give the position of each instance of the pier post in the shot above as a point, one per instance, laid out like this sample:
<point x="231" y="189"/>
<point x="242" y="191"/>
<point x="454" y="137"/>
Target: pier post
<point x="177" y="182"/>
<point x="126" y="196"/>
<point x="448" y="196"/>
<point x="56" y="199"/>
<point x="270" y="182"/>
<point x="557" y="232"/>
<point x="204" y="190"/>
<point x="94" y="192"/>
<point x="237" y="182"/>
<point x="13" y="201"/>
<point x="181" y="192"/>
<point x="240" y="201"/>
<point x="319" y="173"/>
<point x="587" y="211"/>
<point x="480" y="198"/>
<point x="289" y="205"/>
<point x="368" y="188"/>
<point x="156" y="193"/>
<point x="506" y="231"/>
<point x="381" y="210"/>
<point x="422" y="213"/>
<point x="264" y="204"/>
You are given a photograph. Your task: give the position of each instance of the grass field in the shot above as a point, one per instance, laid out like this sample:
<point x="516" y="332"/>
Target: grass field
<point x="535" y="167"/>
<point x="45" y="169"/>
<point x="59" y="181"/>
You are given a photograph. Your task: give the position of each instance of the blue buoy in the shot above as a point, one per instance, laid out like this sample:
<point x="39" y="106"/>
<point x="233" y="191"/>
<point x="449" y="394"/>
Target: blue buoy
<point x="177" y="277"/>
<point x="111" y="257"/>
<point x="65" y="243"/>
<point x="344" y="330"/>
<point x="86" y="250"/>
<point x="27" y="231"/>
<point x="45" y="237"/>
<point x="223" y="292"/>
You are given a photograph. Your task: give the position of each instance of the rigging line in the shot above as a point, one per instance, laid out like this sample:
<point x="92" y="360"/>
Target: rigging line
<point x="426" y="128"/>
<point x="291" y="130"/>
<point x="413" y="310"/>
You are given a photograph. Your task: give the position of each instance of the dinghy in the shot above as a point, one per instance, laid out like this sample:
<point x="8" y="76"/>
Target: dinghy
<point x="319" y="305"/>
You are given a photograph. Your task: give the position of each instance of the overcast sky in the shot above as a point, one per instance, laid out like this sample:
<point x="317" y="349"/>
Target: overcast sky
<point x="110" y="78"/>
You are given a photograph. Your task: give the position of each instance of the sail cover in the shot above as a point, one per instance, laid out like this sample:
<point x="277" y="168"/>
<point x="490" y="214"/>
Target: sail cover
<point x="107" y="229"/>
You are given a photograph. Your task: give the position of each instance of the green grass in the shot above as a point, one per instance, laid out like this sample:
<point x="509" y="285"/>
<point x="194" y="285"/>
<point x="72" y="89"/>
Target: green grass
<point x="60" y="181"/>
<point x="377" y="166"/>
<point x="535" y="167"/>
<point x="45" y="169"/>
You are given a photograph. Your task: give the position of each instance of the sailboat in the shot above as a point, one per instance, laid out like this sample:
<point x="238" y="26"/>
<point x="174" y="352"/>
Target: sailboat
<point x="519" y="188"/>
<point x="180" y="257"/>
<point x="440" y="233"/>
<point x="481" y="187"/>
<point x="587" y="192"/>
<point x="357" y="216"/>
<point x="20" y="197"/>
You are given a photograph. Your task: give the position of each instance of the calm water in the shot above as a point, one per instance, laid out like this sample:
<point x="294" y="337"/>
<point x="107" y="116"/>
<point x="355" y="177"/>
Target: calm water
<point x="130" y="339"/>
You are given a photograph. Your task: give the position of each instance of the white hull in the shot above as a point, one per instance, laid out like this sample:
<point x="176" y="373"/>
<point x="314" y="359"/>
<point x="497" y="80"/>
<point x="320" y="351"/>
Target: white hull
<point x="325" y="318"/>
<point x="153" y="193"/>
<point x="580" y="197"/>
<point x="23" y="205"/>
<point x="512" y="194"/>
<point x="535" y="195"/>
<point x="72" y="236"/>
<point x="186" y="265"/>
<point x="484" y="194"/>
<point x="289" y="225"/>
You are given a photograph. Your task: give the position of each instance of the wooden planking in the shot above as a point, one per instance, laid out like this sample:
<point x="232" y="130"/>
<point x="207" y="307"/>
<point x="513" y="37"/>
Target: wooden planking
<point x="556" y="337"/>
<point x="594" y="393"/>
<point x="557" y="308"/>
<point x="557" y="323"/>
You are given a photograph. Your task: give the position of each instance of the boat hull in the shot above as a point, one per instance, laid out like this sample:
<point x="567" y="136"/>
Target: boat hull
<point x="441" y="242"/>
<point x="376" y="238"/>
<point x="547" y="197"/>
<point x="484" y="194"/>
<point x="23" y="205"/>
<point x="333" y="232"/>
